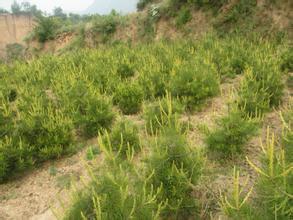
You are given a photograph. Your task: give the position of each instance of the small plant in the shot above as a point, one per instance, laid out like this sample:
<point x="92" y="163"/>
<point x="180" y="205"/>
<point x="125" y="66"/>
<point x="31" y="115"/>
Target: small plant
<point x="92" y="152"/>
<point x="275" y="182"/>
<point x="161" y="113"/>
<point x="175" y="168"/>
<point x="123" y="139"/>
<point x="233" y="132"/>
<point x="236" y="205"/>
<point x="129" y="98"/>
<point x="115" y="193"/>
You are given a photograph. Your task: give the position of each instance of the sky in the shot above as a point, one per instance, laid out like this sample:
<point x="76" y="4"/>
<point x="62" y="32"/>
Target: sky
<point x="71" y="5"/>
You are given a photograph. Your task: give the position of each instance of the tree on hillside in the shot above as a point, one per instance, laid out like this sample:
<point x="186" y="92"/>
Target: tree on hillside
<point x="30" y="9"/>
<point x="3" y="11"/>
<point x="58" y="12"/>
<point x="15" y="8"/>
<point x="45" y="30"/>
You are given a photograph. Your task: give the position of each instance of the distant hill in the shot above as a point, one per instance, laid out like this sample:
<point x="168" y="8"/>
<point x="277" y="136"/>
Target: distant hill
<point x="105" y="7"/>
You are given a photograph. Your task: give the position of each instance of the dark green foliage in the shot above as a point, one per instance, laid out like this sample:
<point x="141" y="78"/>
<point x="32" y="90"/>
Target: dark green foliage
<point x="194" y="83"/>
<point x="143" y="3"/>
<point x="125" y="71"/>
<point x="240" y="10"/>
<point x="123" y="138"/>
<point x="128" y="97"/>
<point x="46" y="29"/>
<point x="184" y="16"/>
<point x="94" y="115"/>
<point x="15" y="157"/>
<point x="231" y="135"/>
<point x="174" y="167"/>
<point x="287" y="61"/>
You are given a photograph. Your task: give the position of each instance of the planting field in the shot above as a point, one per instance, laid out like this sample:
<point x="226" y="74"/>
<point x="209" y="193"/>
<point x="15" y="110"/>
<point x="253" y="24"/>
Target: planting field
<point x="168" y="130"/>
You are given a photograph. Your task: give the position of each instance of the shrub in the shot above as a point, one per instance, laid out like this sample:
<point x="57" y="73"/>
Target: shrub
<point x="115" y="193"/>
<point x="261" y="89"/>
<point x="123" y="139"/>
<point x="274" y="186"/>
<point x="184" y="16"/>
<point x="161" y="113"/>
<point x="91" y="111"/>
<point x="45" y="30"/>
<point x="15" y="157"/>
<point x="233" y="132"/>
<point x="175" y="168"/>
<point x="47" y="131"/>
<point x="236" y="205"/>
<point x="194" y="83"/>
<point x="94" y="115"/>
<point x="129" y="98"/>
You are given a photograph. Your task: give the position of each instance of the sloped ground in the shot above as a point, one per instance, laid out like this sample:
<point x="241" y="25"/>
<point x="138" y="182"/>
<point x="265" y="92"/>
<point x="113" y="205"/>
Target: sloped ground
<point x="32" y="196"/>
